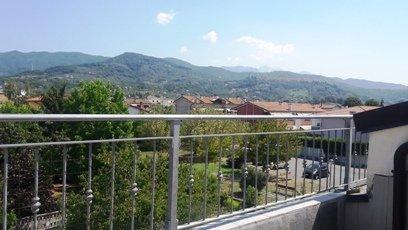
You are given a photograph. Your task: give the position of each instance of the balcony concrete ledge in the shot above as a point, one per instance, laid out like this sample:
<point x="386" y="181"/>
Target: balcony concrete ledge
<point x="322" y="211"/>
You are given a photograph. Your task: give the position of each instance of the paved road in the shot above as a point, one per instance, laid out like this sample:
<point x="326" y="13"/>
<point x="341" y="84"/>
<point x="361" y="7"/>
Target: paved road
<point x="337" y="172"/>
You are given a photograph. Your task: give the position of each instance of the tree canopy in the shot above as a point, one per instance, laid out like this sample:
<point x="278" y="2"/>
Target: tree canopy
<point x="352" y="101"/>
<point x="372" y="102"/>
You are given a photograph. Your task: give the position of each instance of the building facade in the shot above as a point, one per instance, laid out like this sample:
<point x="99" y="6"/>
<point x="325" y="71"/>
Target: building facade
<point x="187" y="103"/>
<point x="281" y="109"/>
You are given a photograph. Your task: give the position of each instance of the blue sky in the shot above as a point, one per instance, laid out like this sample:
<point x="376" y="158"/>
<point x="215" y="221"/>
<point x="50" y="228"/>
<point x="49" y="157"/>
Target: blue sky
<point x="360" y="39"/>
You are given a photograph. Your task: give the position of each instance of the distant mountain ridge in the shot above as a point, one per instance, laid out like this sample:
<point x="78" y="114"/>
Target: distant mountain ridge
<point x="138" y="73"/>
<point x="350" y="81"/>
<point x="239" y="68"/>
<point x="14" y="62"/>
<point x="373" y="84"/>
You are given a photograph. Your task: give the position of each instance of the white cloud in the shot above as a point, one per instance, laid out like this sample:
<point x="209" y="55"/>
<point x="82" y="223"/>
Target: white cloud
<point x="265" y="49"/>
<point x="211" y="36"/>
<point x="183" y="49"/>
<point x="165" y="18"/>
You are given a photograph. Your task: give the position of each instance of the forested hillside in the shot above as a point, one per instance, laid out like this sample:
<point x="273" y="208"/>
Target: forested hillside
<point x="138" y="73"/>
<point x="14" y="62"/>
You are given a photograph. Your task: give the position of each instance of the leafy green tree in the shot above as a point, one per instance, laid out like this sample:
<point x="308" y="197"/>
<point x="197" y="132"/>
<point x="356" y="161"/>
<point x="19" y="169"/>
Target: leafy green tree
<point x="90" y="97"/>
<point x="352" y="101"/>
<point x="54" y="98"/>
<point x="156" y="128"/>
<point x="15" y="92"/>
<point x="331" y="99"/>
<point x="250" y="179"/>
<point x="372" y="102"/>
<point x="101" y="184"/>
<point x="21" y="163"/>
<point x="214" y="144"/>
<point x="97" y="97"/>
<point x="279" y="147"/>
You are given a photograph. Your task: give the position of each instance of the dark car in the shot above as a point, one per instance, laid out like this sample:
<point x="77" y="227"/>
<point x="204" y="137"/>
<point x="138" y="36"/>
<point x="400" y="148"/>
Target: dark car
<point x="316" y="170"/>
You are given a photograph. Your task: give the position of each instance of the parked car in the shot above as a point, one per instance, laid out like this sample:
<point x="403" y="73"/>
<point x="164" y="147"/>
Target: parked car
<point x="316" y="171"/>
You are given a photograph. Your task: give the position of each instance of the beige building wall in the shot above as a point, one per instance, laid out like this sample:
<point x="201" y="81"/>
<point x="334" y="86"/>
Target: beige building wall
<point x="183" y="106"/>
<point x="377" y="212"/>
<point x="383" y="145"/>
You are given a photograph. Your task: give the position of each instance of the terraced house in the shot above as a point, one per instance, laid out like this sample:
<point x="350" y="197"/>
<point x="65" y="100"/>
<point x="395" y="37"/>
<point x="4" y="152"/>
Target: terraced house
<point x="187" y="103"/>
<point x="283" y="109"/>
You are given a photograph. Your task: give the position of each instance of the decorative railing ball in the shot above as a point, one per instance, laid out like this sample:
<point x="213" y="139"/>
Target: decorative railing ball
<point x="220" y="175"/>
<point x="135" y="189"/>
<point x="35" y="207"/>
<point x="89" y="196"/>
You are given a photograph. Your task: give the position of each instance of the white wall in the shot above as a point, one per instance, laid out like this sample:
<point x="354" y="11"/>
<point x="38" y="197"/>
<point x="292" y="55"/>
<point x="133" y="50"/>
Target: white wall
<point x="329" y="123"/>
<point x="133" y="110"/>
<point x="383" y="145"/>
<point x="377" y="213"/>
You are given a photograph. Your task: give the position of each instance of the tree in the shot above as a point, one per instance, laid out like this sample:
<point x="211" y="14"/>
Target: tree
<point x="144" y="177"/>
<point x="331" y="99"/>
<point x="352" y="101"/>
<point x="372" y="102"/>
<point x="21" y="163"/>
<point x="279" y="147"/>
<point x="53" y="99"/>
<point x="156" y="128"/>
<point x="90" y="97"/>
<point x="250" y="179"/>
<point x="97" y="97"/>
<point x="213" y="144"/>
<point x="15" y="92"/>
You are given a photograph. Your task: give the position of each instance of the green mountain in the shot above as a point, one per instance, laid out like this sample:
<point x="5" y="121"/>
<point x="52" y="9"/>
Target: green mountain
<point x="171" y="77"/>
<point x="373" y="84"/>
<point x="14" y="62"/>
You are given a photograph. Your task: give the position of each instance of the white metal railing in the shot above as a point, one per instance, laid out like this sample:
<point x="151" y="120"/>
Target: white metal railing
<point x="327" y="161"/>
<point x="168" y="117"/>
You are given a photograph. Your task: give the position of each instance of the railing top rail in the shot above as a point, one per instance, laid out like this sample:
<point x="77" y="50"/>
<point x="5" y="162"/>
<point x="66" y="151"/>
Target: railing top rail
<point x="169" y="117"/>
<point x="55" y="143"/>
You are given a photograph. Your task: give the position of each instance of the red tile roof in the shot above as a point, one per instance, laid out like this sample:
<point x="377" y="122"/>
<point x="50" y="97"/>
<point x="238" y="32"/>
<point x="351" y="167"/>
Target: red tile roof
<point x="206" y="99"/>
<point x="34" y="99"/>
<point x="3" y="98"/>
<point x="350" y="110"/>
<point x="235" y="100"/>
<point x="272" y="106"/>
<point x="209" y="100"/>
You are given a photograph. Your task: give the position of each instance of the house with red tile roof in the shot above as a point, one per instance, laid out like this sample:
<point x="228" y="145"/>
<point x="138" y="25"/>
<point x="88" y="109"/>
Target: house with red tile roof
<point x="34" y="101"/>
<point x="3" y="98"/>
<point x="331" y="123"/>
<point x="282" y="109"/>
<point x="277" y="108"/>
<point x="186" y="103"/>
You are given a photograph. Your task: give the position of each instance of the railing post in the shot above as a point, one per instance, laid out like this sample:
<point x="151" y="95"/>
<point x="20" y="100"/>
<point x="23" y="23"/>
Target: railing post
<point x="5" y="175"/>
<point x="349" y="150"/>
<point x="171" y="219"/>
<point x="35" y="206"/>
<point x="64" y="186"/>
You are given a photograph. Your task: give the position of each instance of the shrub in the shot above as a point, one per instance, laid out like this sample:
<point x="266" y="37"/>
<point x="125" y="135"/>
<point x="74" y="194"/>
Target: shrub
<point x="250" y="180"/>
<point x="229" y="202"/>
<point x="251" y="197"/>
<point x="238" y="159"/>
